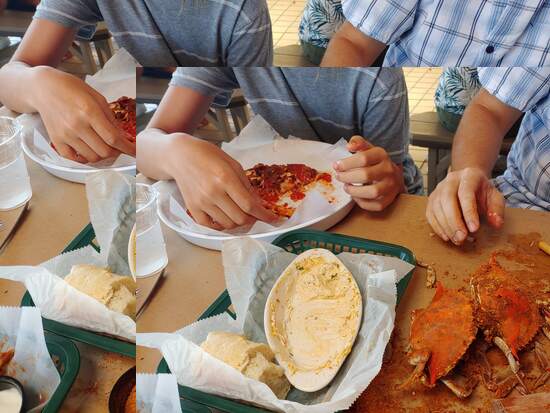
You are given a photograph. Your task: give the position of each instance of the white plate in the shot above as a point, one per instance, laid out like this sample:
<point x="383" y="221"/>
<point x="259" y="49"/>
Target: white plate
<point x="77" y="175"/>
<point x="215" y="243"/>
<point x="312" y="153"/>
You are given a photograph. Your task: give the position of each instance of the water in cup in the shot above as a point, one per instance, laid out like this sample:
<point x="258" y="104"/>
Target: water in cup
<point x="15" y="184"/>
<point x="151" y="254"/>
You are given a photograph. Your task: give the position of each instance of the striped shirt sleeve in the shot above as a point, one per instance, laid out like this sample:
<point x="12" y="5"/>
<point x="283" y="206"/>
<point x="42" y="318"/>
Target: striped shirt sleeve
<point x="519" y="87"/>
<point x="82" y="15"/>
<point x="252" y="40"/>
<point x="383" y="20"/>
<point x="386" y="117"/>
<point x="218" y="82"/>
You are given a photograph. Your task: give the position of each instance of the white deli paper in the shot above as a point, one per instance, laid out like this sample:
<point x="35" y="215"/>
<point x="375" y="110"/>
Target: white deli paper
<point x="251" y="269"/>
<point x="259" y="143"/>
<point x="116" y="79"/>
<point x="157" y="393"/>
<point x="111" y="198"/>
<point x="21" y="329"/>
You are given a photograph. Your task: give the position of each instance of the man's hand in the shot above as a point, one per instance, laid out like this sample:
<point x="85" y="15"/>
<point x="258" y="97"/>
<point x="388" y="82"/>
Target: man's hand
<point x="370" y="176"/>
<point x="456" y="204"/>
<point x="214" y="185"/>
<point x="78" y="118"/>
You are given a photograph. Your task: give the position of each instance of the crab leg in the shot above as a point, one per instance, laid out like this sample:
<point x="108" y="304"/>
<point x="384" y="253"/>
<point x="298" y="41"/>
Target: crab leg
<point x="419" y="361"/>
<point x="514" y="364"/>
<point x="461" y="386"/>
<point x="544" y="364"/>
<point x="500" y="388"/>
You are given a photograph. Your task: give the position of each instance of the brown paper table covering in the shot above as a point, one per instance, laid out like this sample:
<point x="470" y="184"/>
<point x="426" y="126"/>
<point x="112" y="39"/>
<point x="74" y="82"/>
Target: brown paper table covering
<point x="194" y="276"/>
<point x="58" y="212"/>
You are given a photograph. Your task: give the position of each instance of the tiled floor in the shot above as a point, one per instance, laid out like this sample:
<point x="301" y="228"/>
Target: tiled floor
<point x="421" y="85"/>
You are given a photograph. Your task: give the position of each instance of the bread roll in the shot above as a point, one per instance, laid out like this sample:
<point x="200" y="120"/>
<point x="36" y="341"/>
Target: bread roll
<point x="116" y="292"/>
<point x="254" y="360"/>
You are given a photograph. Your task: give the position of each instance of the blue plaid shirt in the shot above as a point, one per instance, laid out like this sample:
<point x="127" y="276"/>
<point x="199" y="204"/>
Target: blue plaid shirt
<point x="456" y="32"/>
<point x="526" y="181"/>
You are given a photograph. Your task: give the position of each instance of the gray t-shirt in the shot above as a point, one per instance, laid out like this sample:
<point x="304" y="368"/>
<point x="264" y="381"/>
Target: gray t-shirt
<point x="160" y="33"/>
<point x="322" y="104"/>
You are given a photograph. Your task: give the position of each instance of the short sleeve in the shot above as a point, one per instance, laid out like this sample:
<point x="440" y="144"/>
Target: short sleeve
<point x="386" y="120"/>
<point x="519" y="87"/>
<point x="252" y="39"/>
<point x="216" y="82"/>
<point x="82" y="15"/>
<point x="383" y="20"/>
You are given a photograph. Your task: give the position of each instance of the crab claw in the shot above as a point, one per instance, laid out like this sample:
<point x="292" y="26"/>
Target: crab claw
<point x="419" y="360"/>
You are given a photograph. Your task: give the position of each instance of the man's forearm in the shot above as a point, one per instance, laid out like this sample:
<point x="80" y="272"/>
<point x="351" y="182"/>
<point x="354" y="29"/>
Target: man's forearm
<point x="17" y="92"/>
<point x="481" y="131"/>
<point x="351" y="48"/>
<point x="156" y="151"/>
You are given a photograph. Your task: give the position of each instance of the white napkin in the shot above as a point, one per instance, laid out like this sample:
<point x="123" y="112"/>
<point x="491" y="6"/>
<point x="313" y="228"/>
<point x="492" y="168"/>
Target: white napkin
<point x="157" y="393"/>
<point x="111" y="198"/>
<point x="21" y="329"/>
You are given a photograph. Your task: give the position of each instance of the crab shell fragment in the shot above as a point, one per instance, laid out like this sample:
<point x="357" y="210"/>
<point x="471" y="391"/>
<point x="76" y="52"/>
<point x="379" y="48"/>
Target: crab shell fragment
<point x="440" y="334"/>
<point x="503" y="307"/>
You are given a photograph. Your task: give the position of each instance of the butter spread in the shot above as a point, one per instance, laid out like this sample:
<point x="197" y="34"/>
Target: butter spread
<point x="316" y="314"/>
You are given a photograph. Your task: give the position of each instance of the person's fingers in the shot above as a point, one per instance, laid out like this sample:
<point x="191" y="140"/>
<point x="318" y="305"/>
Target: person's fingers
<point x="373" y="191"/>
<point x="495" y="208"/>
<point x="450" y="205"/>
<point x="467" y="190"/>
<point x="82" y="149"/>
<point x="367" y="205"/>
<point x="110" y="134"/>
<point x="358" y="143"/>
<point x="441" y="216"/>
<point x="361" y="159"/>
<point x="204" y="219"/>
<point x="236" y="166"/>
<point x="67" y="152"/>
<point x="432" y="220"/>
<point x="219" y="216"/>
<point x="248" y="202"/>
<point x="365" y="175"/>
<point x="232" y="210"/>
<point x="97" y="144"/>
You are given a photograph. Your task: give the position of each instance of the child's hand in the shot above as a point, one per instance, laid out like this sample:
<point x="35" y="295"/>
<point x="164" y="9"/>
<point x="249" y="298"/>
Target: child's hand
<point x="78" y="118"/>
<point x="370" y="176"/>
<point x="214" y="185"/>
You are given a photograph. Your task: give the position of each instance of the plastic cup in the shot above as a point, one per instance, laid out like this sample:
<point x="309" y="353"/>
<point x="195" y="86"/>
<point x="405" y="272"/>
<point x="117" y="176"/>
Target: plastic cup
<point x="151" y="254"/>
<point x="15" y="184"/>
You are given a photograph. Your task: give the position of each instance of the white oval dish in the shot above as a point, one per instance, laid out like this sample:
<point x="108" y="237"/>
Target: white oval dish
<point x="312" y="318"/>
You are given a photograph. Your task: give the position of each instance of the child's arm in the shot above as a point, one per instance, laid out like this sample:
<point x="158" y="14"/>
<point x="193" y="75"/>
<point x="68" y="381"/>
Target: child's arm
<point x="77" y="118"/>
<point x="214" y="185"/>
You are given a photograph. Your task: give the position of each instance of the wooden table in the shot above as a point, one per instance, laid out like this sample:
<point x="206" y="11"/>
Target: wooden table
<point x="427" y="132"/>
<point x="58" y="212"/>
<point x="15" y="23"/>
<point x="194" y="276"/>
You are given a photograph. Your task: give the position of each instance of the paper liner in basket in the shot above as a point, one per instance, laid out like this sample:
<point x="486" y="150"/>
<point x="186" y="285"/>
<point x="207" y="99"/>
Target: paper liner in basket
<point x="258" y="143"/>
<point x="157" y="393"/>
<point x="21" y="329"/>
<point x="251" y="269"/>
<point x="111" y="198"/>
<point x="116" y="79"/>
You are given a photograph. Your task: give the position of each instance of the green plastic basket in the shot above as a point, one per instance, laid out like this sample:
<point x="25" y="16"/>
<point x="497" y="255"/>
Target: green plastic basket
<point x="67" y="363"/>
<point x="295" y="242"/>
<point x="86" y="237"/>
